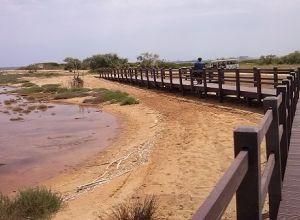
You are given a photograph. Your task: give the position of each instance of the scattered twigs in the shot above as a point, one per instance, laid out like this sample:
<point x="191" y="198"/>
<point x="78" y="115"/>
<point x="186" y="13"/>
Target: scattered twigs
<point x="125" y="164"/>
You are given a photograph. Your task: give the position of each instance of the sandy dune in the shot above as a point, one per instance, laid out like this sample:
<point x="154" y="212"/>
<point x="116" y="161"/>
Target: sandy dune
<point x="188" y="145"/>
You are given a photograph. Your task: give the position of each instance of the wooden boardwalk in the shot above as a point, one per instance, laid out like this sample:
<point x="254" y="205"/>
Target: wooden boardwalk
<point x="290" y="203"/>
<point x="250" y="84"/>
<point x="278" y="90"/>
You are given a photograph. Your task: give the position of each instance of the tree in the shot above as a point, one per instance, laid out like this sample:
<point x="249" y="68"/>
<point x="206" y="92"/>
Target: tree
<point x="32" y="68"/>
<point x="99" y="61"/>
<point x="148" y="59"/>
<point x="73" y="65"/>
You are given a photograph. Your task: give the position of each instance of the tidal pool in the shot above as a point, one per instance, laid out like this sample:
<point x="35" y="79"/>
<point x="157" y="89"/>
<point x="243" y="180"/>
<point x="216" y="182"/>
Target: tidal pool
<point x="46" y="139"/>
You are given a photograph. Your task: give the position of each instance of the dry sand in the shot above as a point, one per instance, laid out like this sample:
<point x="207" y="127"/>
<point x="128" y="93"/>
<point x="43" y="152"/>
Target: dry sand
<point x="188" y="145"/>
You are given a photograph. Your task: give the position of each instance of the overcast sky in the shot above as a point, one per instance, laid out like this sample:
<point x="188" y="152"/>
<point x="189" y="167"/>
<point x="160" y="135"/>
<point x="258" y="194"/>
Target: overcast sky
<point x="49" y="30"/>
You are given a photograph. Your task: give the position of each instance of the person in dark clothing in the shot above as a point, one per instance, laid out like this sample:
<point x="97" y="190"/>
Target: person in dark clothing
<point x="198" y="70"/>
<point x="199" y="65"/>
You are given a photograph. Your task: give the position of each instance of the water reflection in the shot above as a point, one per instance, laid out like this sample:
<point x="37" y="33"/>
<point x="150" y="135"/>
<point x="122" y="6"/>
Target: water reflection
<point x="49" y="139"/>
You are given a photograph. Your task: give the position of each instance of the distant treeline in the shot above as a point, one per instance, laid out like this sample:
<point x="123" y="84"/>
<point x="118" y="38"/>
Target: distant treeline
<point x="146" y="60"/>
<point x="291" y="58"/>
<point x="46" y="66"/>
<point x="99" y="61"/>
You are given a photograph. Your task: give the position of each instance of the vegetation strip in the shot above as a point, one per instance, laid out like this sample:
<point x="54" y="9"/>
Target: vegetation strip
<point x="55" y="91"/>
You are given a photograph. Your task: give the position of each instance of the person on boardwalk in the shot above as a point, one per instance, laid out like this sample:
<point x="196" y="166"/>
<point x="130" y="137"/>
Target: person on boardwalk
<point x="198" y="70"/>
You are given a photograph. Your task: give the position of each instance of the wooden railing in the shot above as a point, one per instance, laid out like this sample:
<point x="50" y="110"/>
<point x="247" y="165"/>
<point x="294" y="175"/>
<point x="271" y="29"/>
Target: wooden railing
<point x="182" y="80"/>
<point x="243" y="177"/>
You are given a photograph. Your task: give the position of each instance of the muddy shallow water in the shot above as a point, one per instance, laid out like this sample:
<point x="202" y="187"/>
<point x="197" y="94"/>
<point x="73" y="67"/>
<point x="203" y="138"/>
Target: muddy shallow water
<point x="46" y="141"/>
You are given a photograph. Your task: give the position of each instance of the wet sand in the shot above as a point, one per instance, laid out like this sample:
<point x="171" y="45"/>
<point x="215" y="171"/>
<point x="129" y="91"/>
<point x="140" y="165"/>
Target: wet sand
<point x="50" y="141"/>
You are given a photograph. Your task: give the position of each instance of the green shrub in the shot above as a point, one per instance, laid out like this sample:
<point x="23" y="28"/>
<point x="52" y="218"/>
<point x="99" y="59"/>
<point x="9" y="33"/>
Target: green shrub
<point x="11" y="79"/>
<point x="37" y="203"/>
<point x="69" y="94"/>
<point x="5" y="207"/>
<point x="28" y="84"/>
<point x="33" y="203"/>
<point x="129" y="101"/>
<point x="29" y="90"/>
<point x="104" y="95"/>
<point x="138" y="210"/>
<point x="51" y="88"/>
<point x="41" y="74"/>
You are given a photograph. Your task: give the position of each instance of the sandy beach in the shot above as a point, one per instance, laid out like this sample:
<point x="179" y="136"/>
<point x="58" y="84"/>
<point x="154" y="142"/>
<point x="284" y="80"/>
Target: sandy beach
<point x="173" y="147"/>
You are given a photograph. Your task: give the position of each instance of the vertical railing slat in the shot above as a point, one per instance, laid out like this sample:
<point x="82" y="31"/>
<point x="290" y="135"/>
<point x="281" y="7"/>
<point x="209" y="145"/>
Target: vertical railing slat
<point x="273" y="146"/>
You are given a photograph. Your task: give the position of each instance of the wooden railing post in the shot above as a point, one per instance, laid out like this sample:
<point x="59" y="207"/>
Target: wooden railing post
<point x="254" y="76"/>
<point x="130" y="75"/>
<point x="287" y="83"/>
<point x="238" y="84"/>
<point x="284" y="143"/>
<point x="118" y="73"/>
<point x="294" y="88"/>
<point x="275" y="69"/>
<point x="210" y="76"/>
<point x="292" y="84"/>
<point x="273" y="146"/>
<point x="171" y="78"/>
<point x="154" y="76"/>
<point x="147" y="76"/>
<point x="298" y="82"/>
<point x="142" y="79"/>
<point x="180" y="81"/>
<point x="126" y="75"/>
<point x="191" y="79"/>
<point x="297" y="79"/>
<point x="162" y="76"/>
<point x="258" y="84"/>
<point x="204" y="81"/>
<point x="248" y="196"/>
<point x="220" y="80"/>
<point x="111" y="74"/>
<point x="135" y="75"/>
<point x="122" y="75"/>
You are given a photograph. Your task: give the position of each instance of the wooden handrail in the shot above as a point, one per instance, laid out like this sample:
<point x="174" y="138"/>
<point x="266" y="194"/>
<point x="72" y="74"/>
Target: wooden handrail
<point x="243" y="177"/>
<point x="217" y="201"/>
<point x="264" y="125"/>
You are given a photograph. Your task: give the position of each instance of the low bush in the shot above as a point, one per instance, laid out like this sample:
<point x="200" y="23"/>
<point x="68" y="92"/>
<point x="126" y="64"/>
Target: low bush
<point x="129" y="101"/>
<point x="137" y="210"/>
<point x="70" y="94"/>
<point x="28" y="84"/>
<point x="104" y="95"/>
<point x="11" y="79"/>
<point x="9" y="102"/>
<point x="51" y="88"/>
<point x="33" y="203"/>
<point x="29" y="90"/>
<point x="42" y="107"/>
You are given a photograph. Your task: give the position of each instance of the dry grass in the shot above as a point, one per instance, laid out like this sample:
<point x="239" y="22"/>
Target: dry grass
<point x="136" y="210"/>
